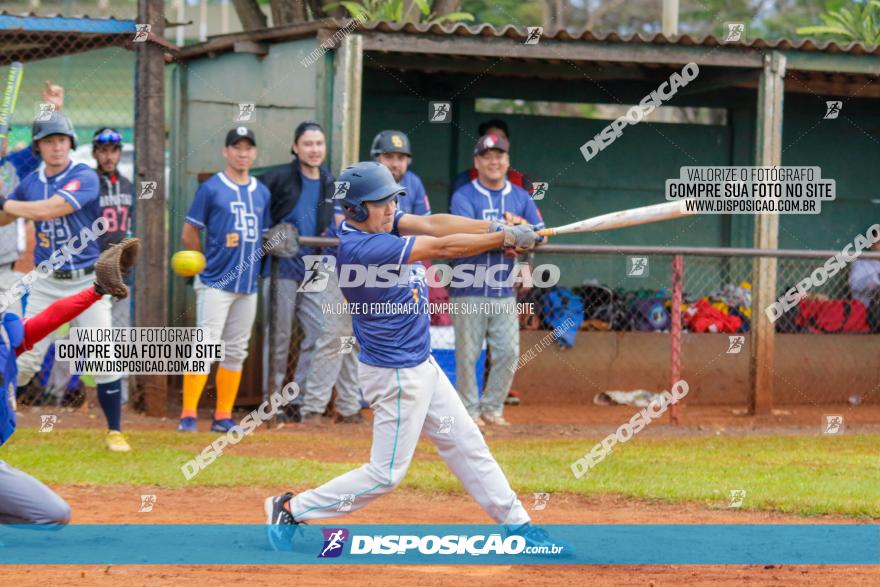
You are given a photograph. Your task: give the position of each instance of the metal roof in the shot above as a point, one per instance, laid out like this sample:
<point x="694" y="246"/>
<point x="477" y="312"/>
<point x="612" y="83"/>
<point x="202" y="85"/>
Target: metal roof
<point x="519" y="33"/>
<point x="27" y="37"/>
<point x="223" y="43"/>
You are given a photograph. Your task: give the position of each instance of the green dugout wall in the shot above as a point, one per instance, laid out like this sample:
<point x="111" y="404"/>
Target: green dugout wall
<point x="384" y="76"/>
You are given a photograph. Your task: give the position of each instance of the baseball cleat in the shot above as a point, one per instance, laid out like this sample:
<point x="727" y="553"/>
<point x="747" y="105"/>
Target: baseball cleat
<point x="187" y="424"/>
<point x="224" y="425"/>
<point x="280" y="525"/>
<point x="311" y="418"/>
<point x="512" y="398"/>
<point x="495" y="420"/>
<point x="116" y="441"/>
<point x="539" y="537"/>
<point x="353" y="419"/>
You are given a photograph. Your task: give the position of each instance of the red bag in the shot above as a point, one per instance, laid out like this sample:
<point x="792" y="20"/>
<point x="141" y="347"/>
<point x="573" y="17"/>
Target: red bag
<point x="830" y="316"/>
<point x="437" y="296"/>
<point x="702" y="317"/>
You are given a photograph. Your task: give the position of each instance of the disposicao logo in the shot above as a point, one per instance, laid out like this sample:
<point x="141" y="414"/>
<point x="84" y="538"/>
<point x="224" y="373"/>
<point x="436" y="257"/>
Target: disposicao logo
<point x="334" y="542"/>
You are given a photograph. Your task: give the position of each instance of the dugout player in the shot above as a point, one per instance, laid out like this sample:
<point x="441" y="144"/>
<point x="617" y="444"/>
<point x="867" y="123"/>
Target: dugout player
<point x="489" y="197"/>
<point x="302" y="195"/>
<point x="117" y="207"/>
<point x="24" y="499"/>
<point x="62" y="200"/>
<point x="408" y="391"/>
<point x="498" y="128"/>
<point x="391" y="148"/>
<point x="233" y="209"/>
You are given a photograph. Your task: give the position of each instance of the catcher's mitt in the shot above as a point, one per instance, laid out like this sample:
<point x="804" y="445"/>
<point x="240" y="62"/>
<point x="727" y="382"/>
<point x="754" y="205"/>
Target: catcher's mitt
<point x="282" y="240"/>
<point x="111" y="270"/>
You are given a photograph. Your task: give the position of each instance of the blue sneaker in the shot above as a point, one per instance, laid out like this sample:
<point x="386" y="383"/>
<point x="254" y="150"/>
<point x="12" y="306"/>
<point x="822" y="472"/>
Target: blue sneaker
<point x="281" y="528"/>
<point x="539" y="542"/>
<point x="224" y="425"/>
<point x="187" y="425"/>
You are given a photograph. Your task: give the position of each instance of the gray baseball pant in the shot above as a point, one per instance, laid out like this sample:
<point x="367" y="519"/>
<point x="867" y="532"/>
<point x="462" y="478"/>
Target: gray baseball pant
<point x="25" y="500"/>
<point x="306" y="307"/>
<point x="330" y="365"/>
<point x="500" y="329"/>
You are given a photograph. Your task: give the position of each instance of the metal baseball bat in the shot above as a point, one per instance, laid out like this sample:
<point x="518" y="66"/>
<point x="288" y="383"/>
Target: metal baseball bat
<point x="13" y="84"/>
<point x="622" y="219"/>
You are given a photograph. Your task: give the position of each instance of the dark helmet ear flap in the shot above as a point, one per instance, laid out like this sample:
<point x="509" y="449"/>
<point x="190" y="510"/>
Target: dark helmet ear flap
<point x="356" y="212"/>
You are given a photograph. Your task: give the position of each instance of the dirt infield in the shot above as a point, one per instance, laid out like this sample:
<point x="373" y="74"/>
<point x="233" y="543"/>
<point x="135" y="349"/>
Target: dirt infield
<point x="242" y="505"/>
<point x="119" y="504"/>
<point x="555" y="420"/>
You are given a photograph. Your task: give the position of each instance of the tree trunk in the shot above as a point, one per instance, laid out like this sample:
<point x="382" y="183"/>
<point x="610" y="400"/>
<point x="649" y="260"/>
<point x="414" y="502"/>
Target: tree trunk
<point x="287" y="12"/>
<point x="249" y="14"/>
<point x="411" y="12"/>
<point x="555" y="17"/>
<point x="319" y="12"/>
<point x="443" y="7"/>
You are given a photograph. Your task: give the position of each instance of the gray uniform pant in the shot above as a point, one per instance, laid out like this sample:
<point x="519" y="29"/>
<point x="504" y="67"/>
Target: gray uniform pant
<point x="335" y="358"/>
<point x="121" y="314"/>
<point x="8" y="278"/>
<point x="24" y="500"/>
<point x="306" y="307"/>
<point x="499" y="327"/>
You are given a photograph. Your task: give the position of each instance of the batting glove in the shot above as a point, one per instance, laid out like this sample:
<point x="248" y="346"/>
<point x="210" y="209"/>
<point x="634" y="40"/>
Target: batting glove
<point x="521" y="236"/>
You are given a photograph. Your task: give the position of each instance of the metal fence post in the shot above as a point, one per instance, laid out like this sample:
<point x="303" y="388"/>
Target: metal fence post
<point x="675" y="329"/>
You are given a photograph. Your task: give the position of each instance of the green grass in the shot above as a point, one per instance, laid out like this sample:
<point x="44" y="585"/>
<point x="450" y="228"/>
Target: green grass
<point x="805" y="475"/>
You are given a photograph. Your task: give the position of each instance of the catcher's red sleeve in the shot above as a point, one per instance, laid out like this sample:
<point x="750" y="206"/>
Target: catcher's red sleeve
<point x="59" y="312"/>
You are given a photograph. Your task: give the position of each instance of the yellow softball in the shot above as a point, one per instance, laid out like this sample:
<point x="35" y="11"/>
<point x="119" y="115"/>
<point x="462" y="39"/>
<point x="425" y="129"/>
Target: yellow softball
<point x="188" y="263"/>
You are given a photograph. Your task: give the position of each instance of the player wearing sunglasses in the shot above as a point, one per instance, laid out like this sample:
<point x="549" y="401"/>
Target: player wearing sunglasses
<point x="117" y="207"/>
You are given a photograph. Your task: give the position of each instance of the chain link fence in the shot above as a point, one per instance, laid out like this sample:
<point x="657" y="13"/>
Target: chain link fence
<point x="823" y="345"/>
<point x="97" y="82"/>
<point x="84" y="68"/>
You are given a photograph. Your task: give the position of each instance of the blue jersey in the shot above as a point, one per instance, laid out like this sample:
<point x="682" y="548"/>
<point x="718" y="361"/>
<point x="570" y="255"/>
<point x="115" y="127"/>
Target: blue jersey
<point x="416" y="199"/>
<point x="475" y="201"/>
<point x="235" y="217"/>
<point x="304" y="217"/>
<point x="79" y="186"/>
<point x="11" y="336"/>
<point x="15" y="166"/>
<point x="399" y="337"/>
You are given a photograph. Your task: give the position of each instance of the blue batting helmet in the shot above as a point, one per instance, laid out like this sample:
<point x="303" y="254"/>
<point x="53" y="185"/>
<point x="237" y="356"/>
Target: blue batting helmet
<point x="363" y="182"/>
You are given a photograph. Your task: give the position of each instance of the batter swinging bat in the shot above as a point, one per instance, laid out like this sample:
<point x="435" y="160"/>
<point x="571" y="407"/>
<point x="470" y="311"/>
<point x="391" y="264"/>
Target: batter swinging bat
<point x="13" y="83"/>
<point x="622" y="219"/>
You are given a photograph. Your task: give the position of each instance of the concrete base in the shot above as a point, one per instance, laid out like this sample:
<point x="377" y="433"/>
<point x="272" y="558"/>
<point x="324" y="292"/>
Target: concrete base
<point x="809" y="369"/>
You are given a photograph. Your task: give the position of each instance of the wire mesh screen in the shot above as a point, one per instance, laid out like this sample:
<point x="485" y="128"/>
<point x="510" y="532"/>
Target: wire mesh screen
<point x="90" y="78"/>
<point x="93" y="85"/>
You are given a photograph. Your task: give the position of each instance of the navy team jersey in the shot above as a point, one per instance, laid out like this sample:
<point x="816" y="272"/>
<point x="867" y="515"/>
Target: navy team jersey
<point x="415" y="201"/>
<point x="388" y="338"/>
<point x="475" y="201"/>
<point x="78" y="185"/>
<point x="235" y="217"/>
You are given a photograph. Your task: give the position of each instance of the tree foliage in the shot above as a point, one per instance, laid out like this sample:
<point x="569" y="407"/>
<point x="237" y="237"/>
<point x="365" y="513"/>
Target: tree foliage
<point x="398" y="11"/>
<point x="855" y="22"/>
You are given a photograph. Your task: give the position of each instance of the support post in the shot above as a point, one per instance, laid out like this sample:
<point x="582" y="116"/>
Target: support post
<point x="151" y="289"/>
<point x="669" y="20"/>
<point x="347" y="71"/>
<point x="769" y="153"/>
<point x="675" y="330"/>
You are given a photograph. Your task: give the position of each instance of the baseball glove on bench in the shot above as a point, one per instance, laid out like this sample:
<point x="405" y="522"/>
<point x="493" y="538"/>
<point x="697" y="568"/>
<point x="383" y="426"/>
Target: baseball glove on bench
<point x="111" y="270"/>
